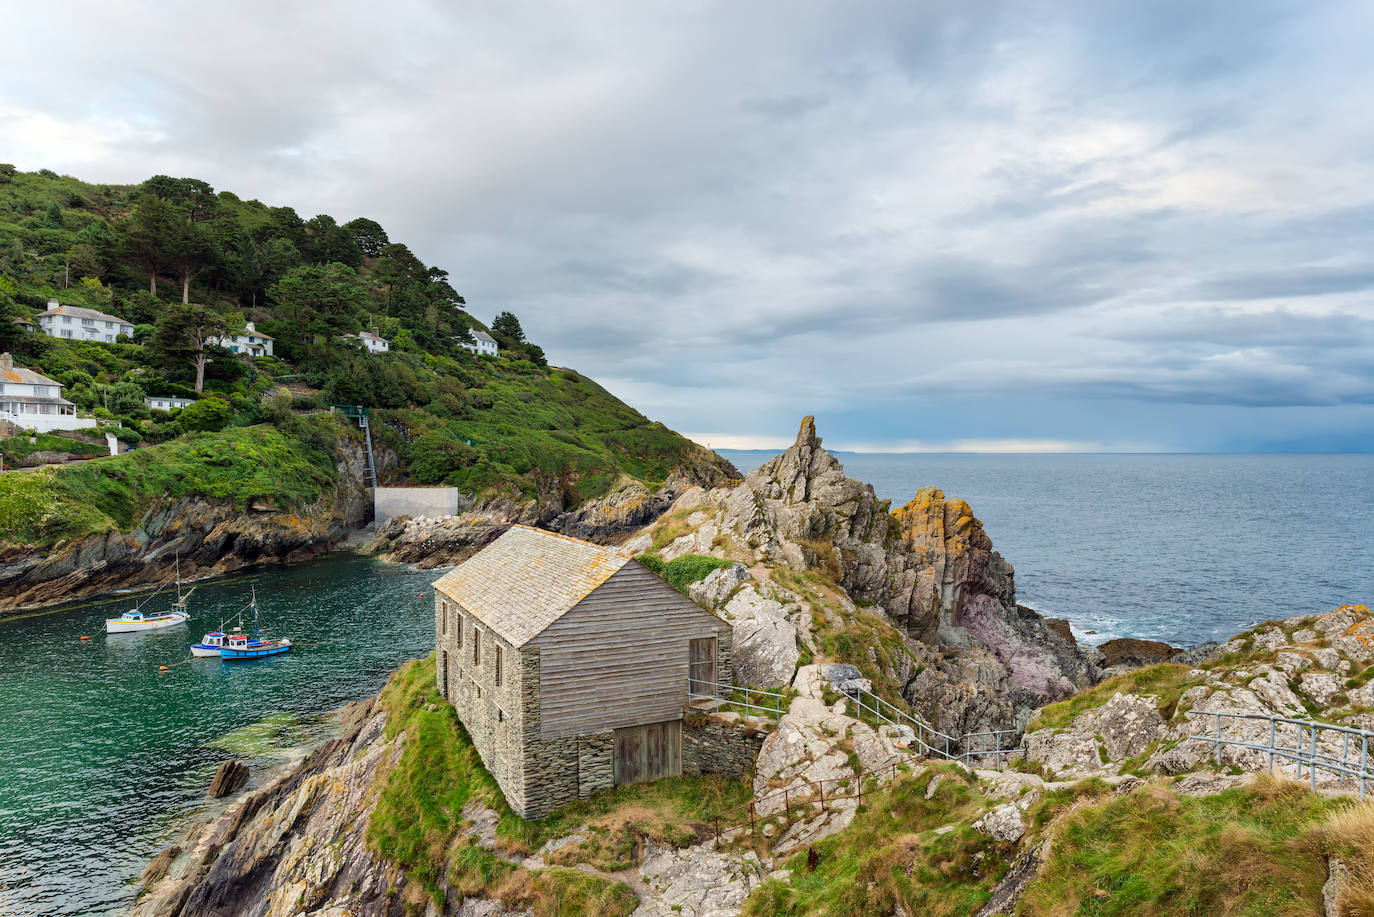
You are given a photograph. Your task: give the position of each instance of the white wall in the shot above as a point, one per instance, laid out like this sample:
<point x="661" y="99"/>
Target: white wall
<point x="415" y="501"/>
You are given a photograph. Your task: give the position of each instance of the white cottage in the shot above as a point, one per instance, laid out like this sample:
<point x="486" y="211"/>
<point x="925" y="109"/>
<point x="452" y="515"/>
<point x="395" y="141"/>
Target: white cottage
<point x="77" y="323"/>
<point x="373" y="341"/>
<point x="167" y="402"/>
<point x="483" y="344"/>
<point x="32" y="401"/>
<point x="249" y="341"/>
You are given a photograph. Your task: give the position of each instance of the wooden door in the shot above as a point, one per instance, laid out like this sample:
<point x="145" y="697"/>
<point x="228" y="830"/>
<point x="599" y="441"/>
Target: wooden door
<point x="701" y="670"/>
<point x="648" y="752"/>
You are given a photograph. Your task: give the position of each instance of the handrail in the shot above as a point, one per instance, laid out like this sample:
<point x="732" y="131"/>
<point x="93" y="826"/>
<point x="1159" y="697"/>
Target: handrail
<point x="724" y="695"/>
<point x="793" y="797"/>
<point x="1302" y="752"/>
<point x="933" y="742"/>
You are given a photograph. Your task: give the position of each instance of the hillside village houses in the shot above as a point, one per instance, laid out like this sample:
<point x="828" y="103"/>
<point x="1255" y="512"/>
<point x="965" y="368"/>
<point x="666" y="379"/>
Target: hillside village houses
<point x="167" y="402"/>
<point x="81" y="324"/>
<point x="569" y="664"/>
<point x="483" y="344"/>
<point x="32" y="401"/>
<point x="249" y="341"/>
<point x="374" y="342"/>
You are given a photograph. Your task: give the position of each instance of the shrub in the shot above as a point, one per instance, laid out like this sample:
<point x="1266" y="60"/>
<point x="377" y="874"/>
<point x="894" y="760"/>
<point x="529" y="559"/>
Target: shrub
<point x="208" y="415"/>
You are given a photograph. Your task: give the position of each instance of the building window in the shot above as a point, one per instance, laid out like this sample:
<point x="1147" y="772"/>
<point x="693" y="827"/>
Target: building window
<point x="458" y="630"/>
<point x="476" y="646"/>
<point x="496" y="661"/>
<point x="443" y="617"/>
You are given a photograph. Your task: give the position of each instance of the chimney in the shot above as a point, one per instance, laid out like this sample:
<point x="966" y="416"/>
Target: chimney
<point x="250" y="327"/>
<point x="6" y="361"/>
<point x="52" y="304"/>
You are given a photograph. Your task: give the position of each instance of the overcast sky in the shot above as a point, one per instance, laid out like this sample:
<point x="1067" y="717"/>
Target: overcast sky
<point x="996" y="226"/>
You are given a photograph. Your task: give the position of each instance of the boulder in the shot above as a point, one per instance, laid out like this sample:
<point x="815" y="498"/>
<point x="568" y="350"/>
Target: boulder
<point x="1321" y="687"/>
<point x="228" y="779"/>
<point x="765" y="641"/>
<point x="1002" y="824"/>
<point x="718" y="585"/>
<point x="1128" y="651"/>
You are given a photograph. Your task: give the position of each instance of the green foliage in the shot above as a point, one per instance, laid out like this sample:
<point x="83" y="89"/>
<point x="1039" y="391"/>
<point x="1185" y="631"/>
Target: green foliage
<point x="507" y="324"/>
<point x="240" y="467"/>
<point x="1165" y="680"/>
<point x="205" y="415"/>
<point x="681" y="572"/>
<point x="16" y="447"/>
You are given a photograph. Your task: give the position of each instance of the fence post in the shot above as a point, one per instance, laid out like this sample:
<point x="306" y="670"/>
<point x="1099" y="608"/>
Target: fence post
<point x="1218" y="738"/>
<point x="1345" y="754"/>
<point x="1364" y="762"/>
<point x="1273" y="727"/>
<point x="1312" y="765"/>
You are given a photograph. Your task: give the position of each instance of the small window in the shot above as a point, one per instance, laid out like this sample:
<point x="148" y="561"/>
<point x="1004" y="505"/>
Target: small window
<point x="497" y="663"/>
<point x="458" y="630"/>
<point x="476" y="646"/>
<point x="443" y="617"/>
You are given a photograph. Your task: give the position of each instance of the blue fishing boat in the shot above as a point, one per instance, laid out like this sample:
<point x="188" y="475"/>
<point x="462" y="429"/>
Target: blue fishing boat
<point x="253" y="645"/>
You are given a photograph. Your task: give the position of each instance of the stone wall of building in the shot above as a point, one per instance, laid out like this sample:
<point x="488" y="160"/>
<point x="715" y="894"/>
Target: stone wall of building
<point x="720" y="743"/>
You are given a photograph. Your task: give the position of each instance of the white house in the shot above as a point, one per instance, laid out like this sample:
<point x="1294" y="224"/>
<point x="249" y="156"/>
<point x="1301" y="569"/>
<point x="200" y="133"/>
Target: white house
<point x="167" y="402"/>
<point x="32" y="401"/>
<point x="80" y="324"/>
<point x="484" y="344"/>
<point x="374" y="342"/>
<point x="249" y="341"/>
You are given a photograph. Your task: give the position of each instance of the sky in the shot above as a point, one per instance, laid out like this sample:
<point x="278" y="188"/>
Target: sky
<point x="983" y="226"/>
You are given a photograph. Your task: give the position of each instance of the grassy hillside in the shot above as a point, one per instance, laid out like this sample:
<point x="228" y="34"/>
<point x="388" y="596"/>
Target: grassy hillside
<point x="507" y="426"/>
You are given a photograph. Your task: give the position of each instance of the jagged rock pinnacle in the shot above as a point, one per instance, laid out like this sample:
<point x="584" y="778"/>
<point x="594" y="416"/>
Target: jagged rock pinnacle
<point x="806" y="436"/>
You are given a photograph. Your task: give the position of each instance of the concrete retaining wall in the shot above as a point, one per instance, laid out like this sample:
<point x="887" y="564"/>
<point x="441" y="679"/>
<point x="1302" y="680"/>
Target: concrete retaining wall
<point x="415" y="501"/>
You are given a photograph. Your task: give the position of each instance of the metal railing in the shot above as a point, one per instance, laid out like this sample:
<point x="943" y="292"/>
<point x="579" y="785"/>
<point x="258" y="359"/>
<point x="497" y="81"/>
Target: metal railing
<point x="750" y="700"/>
<point x="808" y="795"/>
<point x="1354" y="762"/>
<point x="968" y="748"/>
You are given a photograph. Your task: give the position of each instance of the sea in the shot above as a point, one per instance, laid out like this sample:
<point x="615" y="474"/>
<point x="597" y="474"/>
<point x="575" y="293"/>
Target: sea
<point x="104" y="755"/>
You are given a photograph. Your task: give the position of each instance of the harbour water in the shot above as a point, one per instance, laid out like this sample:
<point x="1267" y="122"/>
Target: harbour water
<point x="1181" y="548"/>
<point x="102" y="755"/>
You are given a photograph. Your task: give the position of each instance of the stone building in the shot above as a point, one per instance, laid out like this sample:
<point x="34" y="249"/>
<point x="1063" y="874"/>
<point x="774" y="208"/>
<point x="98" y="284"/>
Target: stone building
<point x="569" y="663"/>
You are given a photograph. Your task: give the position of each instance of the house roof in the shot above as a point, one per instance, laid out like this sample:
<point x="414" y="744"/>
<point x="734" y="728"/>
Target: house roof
<point x="373" y="337"/>
<point x="11" y="373"/>
<point x="527" y="579"/>
<point x="481" y="335"/>
<point x="82" y="312"/>
<point x="256" y="334"/>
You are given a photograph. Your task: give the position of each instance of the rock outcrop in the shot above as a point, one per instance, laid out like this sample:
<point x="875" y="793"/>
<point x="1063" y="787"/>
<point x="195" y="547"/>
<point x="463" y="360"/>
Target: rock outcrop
<point x="930" y="566"/>
<point x="208" y="537"/>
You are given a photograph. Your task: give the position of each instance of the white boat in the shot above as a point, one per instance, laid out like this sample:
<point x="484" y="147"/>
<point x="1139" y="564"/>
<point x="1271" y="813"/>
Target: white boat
<point x="209" y="645"/>
<point x="135" y="620"/>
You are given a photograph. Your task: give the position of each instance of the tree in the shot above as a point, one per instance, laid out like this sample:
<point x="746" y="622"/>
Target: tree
<point x="190" y="249"/>
<point x="144" y="237"/>
<point x="369" y="235"/>
<point x="318" y="296"/>
<point x="506" y="323"/>
<point x="187" y="334"/>
<point x="207" y="415"/>
<point x="10" y="332"/>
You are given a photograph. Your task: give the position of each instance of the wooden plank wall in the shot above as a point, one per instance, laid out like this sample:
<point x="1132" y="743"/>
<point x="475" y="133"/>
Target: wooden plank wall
<point x="620" y="657"/>
<point x="648" y="752"/>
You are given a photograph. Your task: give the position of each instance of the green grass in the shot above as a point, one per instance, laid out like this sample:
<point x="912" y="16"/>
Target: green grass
<point x="239" y="466"/>
<point x="1247" y="851"/>
<point x="889" y="855"/>
<point x="1166" y="681"/>
<point x="16" y="447"/>
<point x="418" y="821"/>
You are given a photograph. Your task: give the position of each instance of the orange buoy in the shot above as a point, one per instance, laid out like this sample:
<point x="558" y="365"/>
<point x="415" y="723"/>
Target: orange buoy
<point x="162" y="668"/>
<point x="422" y="595"/>
<point x="85" y="638"/>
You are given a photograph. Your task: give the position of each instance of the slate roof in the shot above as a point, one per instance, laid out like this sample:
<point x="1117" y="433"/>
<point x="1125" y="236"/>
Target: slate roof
<point x="26" y="377"/>
<point x="82" y="312"/>
<point x="527" y="579"/>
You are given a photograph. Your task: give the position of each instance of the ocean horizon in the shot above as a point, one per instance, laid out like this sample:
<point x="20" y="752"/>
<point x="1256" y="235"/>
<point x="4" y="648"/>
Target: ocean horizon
<point x="1182" y="547"/>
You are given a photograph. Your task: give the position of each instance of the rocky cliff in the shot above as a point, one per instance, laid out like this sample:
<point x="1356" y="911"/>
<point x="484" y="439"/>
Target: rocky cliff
<point x="208" y="537"/>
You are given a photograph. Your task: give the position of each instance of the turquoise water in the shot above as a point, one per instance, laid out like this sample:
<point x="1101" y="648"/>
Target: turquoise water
<point x="1181" y="548"/>
<point x="100" y="753"/>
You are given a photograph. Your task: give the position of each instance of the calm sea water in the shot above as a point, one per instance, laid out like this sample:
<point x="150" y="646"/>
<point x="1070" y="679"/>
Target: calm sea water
<point x="1182" y="548"/>
<point x="100" y="755"/>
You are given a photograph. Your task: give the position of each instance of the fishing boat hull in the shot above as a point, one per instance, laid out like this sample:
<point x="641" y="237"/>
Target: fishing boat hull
<point x="200" y="651"/>
<point x="155" y="622"/>
<point x="238" y="654"/>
